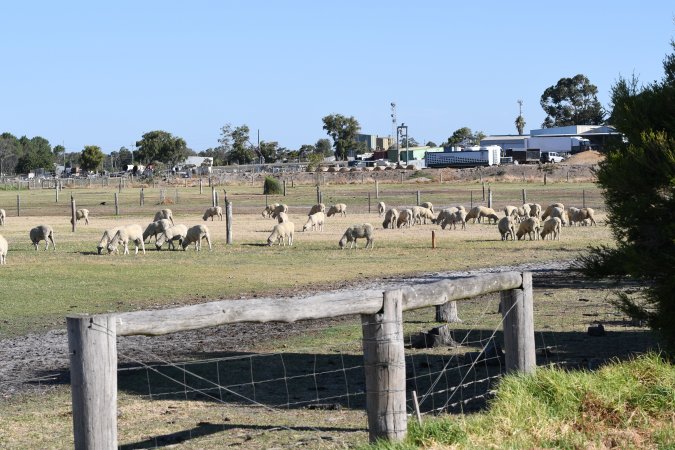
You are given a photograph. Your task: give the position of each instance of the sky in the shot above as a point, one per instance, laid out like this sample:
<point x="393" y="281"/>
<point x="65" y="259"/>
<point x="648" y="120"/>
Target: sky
<point x="104" y="73"/>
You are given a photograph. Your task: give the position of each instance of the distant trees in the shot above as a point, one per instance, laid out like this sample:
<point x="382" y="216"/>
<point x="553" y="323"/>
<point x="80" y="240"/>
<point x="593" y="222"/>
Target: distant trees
<point x="33" y="154"/>
<point x="9" y="145"/>
<point x="235" y="144"/>
<point x="269" y="151"/>
<point x="161" y="146"/>
<point x="91" y="158"/>
<point x="431" y="144"/>
<point x="324" y="147"/>
<point x="520" y="124"/>
<point x="465" y="136"/>
<point x="572" y="101"/>
<point x="343" y="131"/>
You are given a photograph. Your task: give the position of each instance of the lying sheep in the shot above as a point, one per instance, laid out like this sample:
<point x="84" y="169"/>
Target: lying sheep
<point x="405" y="217"/>
<point x="81" y="214"/>
<point x="355" y="232"/>
<point x="551" y="226"/>
<point x="282" y="233"/>
<point x="582" y="215"/>
<point x="282" y="217"/>
<point x="338" y="208"/>
<point x="164" y="214"/>
<point x="315" y="221"/>
<point x="174" y="233"/>
<point x="106" y="238"/>
<point x="3" y="250"/>
<point x="529" y="226"/>
<point x="550" y="207"/>
<point x="506" y="227"/>
<point x="129" y="233"/>
<point x="212" y="212"/>
<point x="319" y="207"/>
<point x="2" y="216"/>
<point x="381" y="207"/>
<point x="154" y="229"/>
<point x="42" y="233"/>
<point x="390" y="219"/>
<point x="457" y="216"/>
<point x="195" y="235"/>
<point x="428" y="205"/>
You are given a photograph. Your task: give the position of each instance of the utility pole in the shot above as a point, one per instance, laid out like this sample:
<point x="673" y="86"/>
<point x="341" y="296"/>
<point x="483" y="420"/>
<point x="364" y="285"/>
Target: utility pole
<point x="394" y="130"/>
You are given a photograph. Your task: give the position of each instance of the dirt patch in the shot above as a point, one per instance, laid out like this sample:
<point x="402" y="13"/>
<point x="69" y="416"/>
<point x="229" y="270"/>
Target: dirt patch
<point x="590" y="157"/>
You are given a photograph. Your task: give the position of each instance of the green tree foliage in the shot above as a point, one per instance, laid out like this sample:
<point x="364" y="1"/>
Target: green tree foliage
<point x="161" y="146"/>
<point x="272" y="186"/>
<point x="411" y="142"/>
<point x="638" y="179"/>
<point x="9" y="148"/>
<point x="520" y="124"/>
<point x="572" y="101"/>
<point x="236" y="145"/>
<point x="431" y="144"/>
<point x="343" y="131"/>
<point x="217" y="154"/>
<point x="35" y="153"/>
<point x="270" y="151"/>
<point x="464" y="135"/>
<point x="91" y="158"/>
<point x="324" y="147"/>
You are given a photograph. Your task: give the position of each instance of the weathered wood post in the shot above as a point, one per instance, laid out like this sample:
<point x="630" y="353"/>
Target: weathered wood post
<point x="266" y="201"/>
<point x="483" y="190"/>
<point x="384" y="367"/>
<point x="92" y="346"/>
<point x="518" y="312"/>
<point x="418" y="198"/>
<point x="368" y="202"/>
<point x="120" y="186"/>
<point x="318" y="194"/>
<point x="142" y="197"/>
<point x="201" y="186"/>
<point x="228" y="219"/>
<point x="544" y="178"/>
<point x="447" y="313"/>
<point x="524" y="196"/>
<point x="73" y="212"/>
<point x="56" y="191"/>
<point x="18" y="205"/>
<point x="433" y="239"/>
<point x="284" y="188"/>
<point x="117" y="204"/>
<point x="471" y="199"/>
<point x="441" y="174"/>
<point x="489" y="201"/>
<point x="214" y="198"/>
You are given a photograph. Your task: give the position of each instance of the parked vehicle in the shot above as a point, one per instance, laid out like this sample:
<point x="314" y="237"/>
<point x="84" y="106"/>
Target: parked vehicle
<point x="551" y="157"/>
<point x="558" y="144"/>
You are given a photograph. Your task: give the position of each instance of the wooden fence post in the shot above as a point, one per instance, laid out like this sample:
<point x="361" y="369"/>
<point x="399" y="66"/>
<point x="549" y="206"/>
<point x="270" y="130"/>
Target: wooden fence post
<point x="471" y="200"/>
<point x="524" y="196"/>
<point x="368" y="202"/>
<point x="284" y="188"/>
<point x="214" y="198"/>
<point x="142" y="197"/>
<point x="518" y="312"/>
<point x="583" y="197"/>
<point x="489" y="201"/>
<point x="18" y="205"/>
<point x="93" y="380"/>
<point x="120" y="187"/>
<point x="377" y="189"/>
<point x="384" y="367"/>
<point x="544" y="178"/>
<point x="73" y="212"/>
<point x="318" y="194"/>
<point x="418" y="198"/>
<point x="483" y="191"/>
<point x="57" y="192"/>
<point x="228" y="220"/>
<point x="117" y="204"/>
<point x="201" y="186"/>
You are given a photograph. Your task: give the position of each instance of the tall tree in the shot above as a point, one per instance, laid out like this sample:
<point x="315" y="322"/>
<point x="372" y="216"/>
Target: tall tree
<point x="520" y="124"/>
<point x="269" y="151"/>
<point x="431" y="144"/>
<point x="461" y="135"/>
<point x="638" y="181"/>
<point x="161" y="146"/>
<point x="91" y="158"/>
<point x="9" y="146"/>
<point x="572" y="101"/>
<point x="324" y="147"/>
<point x="343" y="130"/>
<point x="36" y="153"/>
<point x="217" y="154"/>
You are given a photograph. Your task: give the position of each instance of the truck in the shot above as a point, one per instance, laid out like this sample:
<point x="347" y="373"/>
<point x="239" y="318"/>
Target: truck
<point x="469" y="157"/>
<point x="520" y="156"/>
<point x="558" y="144"/>
<point x="551" y="157"/>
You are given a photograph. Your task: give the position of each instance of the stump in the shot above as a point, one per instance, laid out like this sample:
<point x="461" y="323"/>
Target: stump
<point x="436" y="337"/>
<point x="447" y="313"/>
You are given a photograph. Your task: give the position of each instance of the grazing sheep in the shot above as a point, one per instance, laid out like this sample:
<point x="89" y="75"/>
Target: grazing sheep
<point x="319" y="207"/>
<point x="106" y="238"/>
<point x="269" y="209"/>
<point x="129" y="233"/>
<point x="3" y="250"/>
<point x="457" y="216"/>
<point x="281" y="233"/>
<point x="195" y="235"/>
<point x="473" y="213"/>
<point x="81" y="214"/>
<point x="426" y="214"/>
<point x="355" y="232"/>
<point x="557" y="212"/>
<point x="390" y="219"/>
<point x="154" y="229"/>
<point x="42" y="233"/>
<point x="551" y="226"/>
<point x="511" y="211"/>
<point x="2" y="216"/>
<point x="523" y="212"/>
<point x="282" y="217"/>
<point x="428" y="205"/>
<point x="535" y="210"/>
<point x="338" y="208"/>
<point x="506" y="227"/>
<point x="315" y="221"/>
<point x="174" y="233"/>
<point x="444" y="213"/>
<point x="547" y="213"/>
<point x="576" y="215"/>
<point x="212" y="212"/>
<point x="405" y="217"/>
<point x="164" y="214"/>
<point x="381" y="207"/>
<point x="529" y="226"/>
<point x="282" y="208"/>
<point x="488" y="213"/>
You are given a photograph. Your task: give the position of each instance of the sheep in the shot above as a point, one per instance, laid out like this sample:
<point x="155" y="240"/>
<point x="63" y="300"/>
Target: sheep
<point x="488" y="213"/>
<point x="3" y="250"/>
<point x="338" y="208"/>
<point x="454" y="217"/>
<point x="381" y="207"/>
<point x="195" y="235"/>
<point x="428" y="205"/>
<point x="212" y="212"/>
<point x="174" y="233"/>
<point x="581" y="216"/>
<point x="269" y="209"/>
<point x="556" y="212"/>
<point x="281" y="232"/>
<point x="164" y="214"/>
<point x="426" y="213"/>
<point x="282" y="217"/>
<point x="535" y="210"/>
<point x="278" y="209"/>
<point x="133" y="233"/>
<point x="315" y="221"/>
<point x="357" y="231"/>
<point x="154" y="229"/>
<point x="106" y="238"/>
<point x="523" y="212"/>
<point x="81" y="214"/>
<point x="547" y="213"/>
<point x="42" y="233"/>
<point x="473" y="213"/>
<point x="3" y="214"/>
<point x="529" y="226"/>
<point x="444" y="213"/>
<point x="506" y="227"/>
<point x="319" y="207"/>
<point x="511" y="211"/>
<point x="405" y="217"/>
<point x="390" y="219"/>
<point x="551" y="226"/>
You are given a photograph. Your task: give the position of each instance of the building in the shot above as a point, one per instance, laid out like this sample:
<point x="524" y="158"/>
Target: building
<point x="598" y="136"/>
<point x="374" y="142"/>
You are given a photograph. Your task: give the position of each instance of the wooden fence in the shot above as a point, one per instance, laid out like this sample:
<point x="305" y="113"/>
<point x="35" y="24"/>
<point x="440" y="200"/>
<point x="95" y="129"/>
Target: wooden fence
<point x="93" y="345"/>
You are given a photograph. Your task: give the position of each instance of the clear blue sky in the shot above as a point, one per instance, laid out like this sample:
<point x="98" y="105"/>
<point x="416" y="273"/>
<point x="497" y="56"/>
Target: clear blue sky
<point x="104" y="73"/>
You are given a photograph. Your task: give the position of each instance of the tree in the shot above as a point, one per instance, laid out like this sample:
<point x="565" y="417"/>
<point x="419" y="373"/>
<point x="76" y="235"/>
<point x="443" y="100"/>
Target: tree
<point x="216" y="154"/>
<point x="411" y="142"/>
<point x="305" y="150"/>
<point x="343" y="131"/>
<point x="324" y="147"/>
<point x="269" y="151"/>
<point x="462" y="135"/>
<point x="91" y="158"/>
<point x="572" y="101"/>
<point x="520" y="124"/>
<point x="235" y="144"/>
<point x="58" y="151"/>
<point x="161" y="146"/>
<point x="638" y="181"/>
<point x="36" y="153"/>
<point x="478" y="136"/>
<point x="431" y="144"/>
<point x="8" y="151"/>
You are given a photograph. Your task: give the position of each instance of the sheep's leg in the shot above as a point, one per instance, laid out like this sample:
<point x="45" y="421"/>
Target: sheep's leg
<point x="208" y="241"/>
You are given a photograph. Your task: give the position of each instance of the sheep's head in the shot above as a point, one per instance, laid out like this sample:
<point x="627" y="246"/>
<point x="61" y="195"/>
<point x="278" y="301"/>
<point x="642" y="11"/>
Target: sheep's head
<point x="99" y="248"/>
<point x="111" y="248"/>
<point x="343" y="242"/>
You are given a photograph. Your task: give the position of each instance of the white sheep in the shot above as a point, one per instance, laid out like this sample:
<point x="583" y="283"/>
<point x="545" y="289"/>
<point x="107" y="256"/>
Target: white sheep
<point x="355" y="232"/>
<point x="535" y="210"/>
<point x="506" y="227"/>
<point x="319" y="207"/>
<point x="42" y="233"/>
<point x="444" y="213"/>
<point x="281" y="233"/>
<point x="129" y="233"/>
<point x="212" y="212"/>
<point x="550" y="207"/>
<point x="269" y="209"/>
<point x="174" y="233"/>
<point x="81" y="214"/>
<point x="488" y="213"/>
<point x="282" y="217"/>
<point x="106" y="238"/>
<point x="3" y="250"/>
<point x="473" y="213"/>
<point x="3" y="214"/>
<point x="405" y="217"/>
<point x="154" y="229"/>
<point x="457" y="216"/>
<point x="338" y="208"/>
<point x="558" y="212"/>
<point x="195" y="235"/>
<point x="315" y="221"/>
<point x="282" y="208"/>
<point x="426" y="214"/>
<point x="576" y="215"/>
<point x="523" y="212"/>
<point x="381" y="207"/>
<point x="529" y="226"/>
<point x="511" y="211"/>
<point x="428" y="205"/>
<point x="390" y="219"/>
<point x="551" y="226"/>
<point x="164" y="214"/>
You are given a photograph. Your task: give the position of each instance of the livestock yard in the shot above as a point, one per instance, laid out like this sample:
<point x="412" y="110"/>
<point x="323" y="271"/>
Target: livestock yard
<point x="282" y="384"/>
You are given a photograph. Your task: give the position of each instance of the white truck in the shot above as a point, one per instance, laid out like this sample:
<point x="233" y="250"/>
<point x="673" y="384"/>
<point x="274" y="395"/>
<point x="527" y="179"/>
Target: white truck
<point x="558" y="144"/>
<point x="551" y="157"/>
